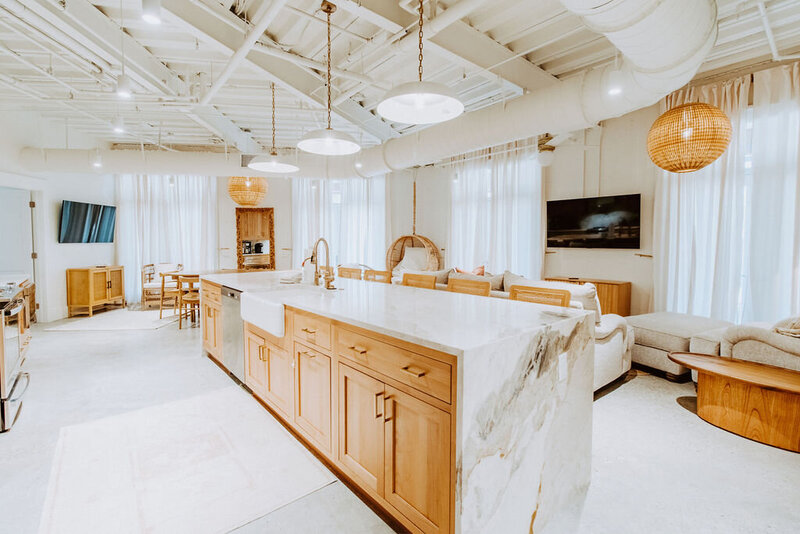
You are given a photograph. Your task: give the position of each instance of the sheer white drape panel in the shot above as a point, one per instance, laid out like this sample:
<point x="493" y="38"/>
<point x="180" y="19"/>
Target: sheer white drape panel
<point x="775" y="232"/>
<point x="496" y="211"/>
<point x="726" y="237"/>
<point x="350" y="214"/>
<point x="165" y="219"/>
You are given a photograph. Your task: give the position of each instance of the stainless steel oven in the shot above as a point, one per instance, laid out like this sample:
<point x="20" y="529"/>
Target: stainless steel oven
<point x="13" y="380"/>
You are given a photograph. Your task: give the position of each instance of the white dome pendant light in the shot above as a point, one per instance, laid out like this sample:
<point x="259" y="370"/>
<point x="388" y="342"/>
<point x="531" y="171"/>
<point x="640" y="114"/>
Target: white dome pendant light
<point x="273" y="163"/>
<point x="420" y="102"/>
<point x="327" y="141"/>
<point x="151" y="11"/>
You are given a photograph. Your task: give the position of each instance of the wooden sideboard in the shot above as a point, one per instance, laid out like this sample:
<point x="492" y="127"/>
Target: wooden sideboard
<point x="614" y="295"/>
<point x="92" y="288"/>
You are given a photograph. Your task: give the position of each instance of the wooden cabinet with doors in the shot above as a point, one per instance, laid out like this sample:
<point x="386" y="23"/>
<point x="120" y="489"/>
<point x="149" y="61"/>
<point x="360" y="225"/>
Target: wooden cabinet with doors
<point x="269" y="371"/>
<point x="211" y="318"/>
<point x="92" y="288"/>
<point x="614" y="295"/>
<point x="255" y="238"/>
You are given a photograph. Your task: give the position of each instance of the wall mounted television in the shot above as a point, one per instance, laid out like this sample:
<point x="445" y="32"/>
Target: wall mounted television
<point x="86" y="223"/>
<point x="599" y="222"/>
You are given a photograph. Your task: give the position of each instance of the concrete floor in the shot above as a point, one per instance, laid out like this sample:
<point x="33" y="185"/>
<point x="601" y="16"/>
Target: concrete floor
<point x="656" y="466"/>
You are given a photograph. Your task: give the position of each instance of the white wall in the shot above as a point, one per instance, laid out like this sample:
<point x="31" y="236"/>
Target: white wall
<point x="16" y="237"/>
<point x="611" y="160"/>
<point x="279" y="197"/>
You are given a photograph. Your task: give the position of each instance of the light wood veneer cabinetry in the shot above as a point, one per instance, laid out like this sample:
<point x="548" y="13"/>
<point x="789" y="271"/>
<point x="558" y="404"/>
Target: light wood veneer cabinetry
<point x="93" y="287"/>
<point x="211" y="318"/>
<point x="614" y="295"/>
<point x="379" y="409"/>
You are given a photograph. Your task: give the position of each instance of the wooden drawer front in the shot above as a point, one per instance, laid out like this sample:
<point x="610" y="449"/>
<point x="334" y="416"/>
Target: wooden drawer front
<point x="425" y="374"/>
<point x="313" y="329"/>
<point x="211" y="293"/>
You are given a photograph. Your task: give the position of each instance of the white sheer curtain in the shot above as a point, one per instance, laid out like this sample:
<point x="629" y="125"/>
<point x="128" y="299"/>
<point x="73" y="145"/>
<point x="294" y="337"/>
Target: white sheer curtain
<point x="496" y="210"/>
<point x="726" y="237"/>
<point x="165" y="219"/>
<point x="350" y="214"/>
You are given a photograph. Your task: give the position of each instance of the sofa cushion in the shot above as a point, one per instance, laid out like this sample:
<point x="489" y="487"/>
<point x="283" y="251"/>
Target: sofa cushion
<point x="707" y="342"/>
<point x="496" y="281"/>
<point x="583" y="294"/>
<point x="441" y="276"/>
<point x="789" y="327"/>
<point x="414" y="258"/>
<point x="670" y="332"/>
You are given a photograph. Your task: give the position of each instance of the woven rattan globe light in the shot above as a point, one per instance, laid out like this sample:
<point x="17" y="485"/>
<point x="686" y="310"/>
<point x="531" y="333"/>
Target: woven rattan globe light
<point x="688" y="137"/>
<point x="247" y="191"/>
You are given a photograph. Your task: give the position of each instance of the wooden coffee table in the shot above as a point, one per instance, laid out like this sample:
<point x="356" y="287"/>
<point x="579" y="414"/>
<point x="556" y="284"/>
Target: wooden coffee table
<point x="757" y="401"/>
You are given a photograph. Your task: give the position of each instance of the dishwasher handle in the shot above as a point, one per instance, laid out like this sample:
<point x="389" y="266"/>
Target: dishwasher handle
<point x="231" y="293"/>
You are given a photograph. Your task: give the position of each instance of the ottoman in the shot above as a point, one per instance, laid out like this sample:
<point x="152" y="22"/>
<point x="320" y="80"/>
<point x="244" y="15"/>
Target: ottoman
<point x="658" y="334"/>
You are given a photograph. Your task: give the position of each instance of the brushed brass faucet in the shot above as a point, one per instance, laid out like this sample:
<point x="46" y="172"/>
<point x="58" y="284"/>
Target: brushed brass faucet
<point x="328" y="274"/>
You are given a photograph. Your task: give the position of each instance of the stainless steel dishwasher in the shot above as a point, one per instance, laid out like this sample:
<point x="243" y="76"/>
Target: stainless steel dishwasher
<point x="232" y="333"/>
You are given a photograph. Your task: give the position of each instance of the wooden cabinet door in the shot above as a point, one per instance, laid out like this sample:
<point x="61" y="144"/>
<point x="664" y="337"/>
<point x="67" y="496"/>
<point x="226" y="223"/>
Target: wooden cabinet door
<point x="217" y="340"/>
<point x="417" y="461"/>
<point x="255" y="364"/>
<point x="99" y="284"/>
<point x="116" y="286"/>
<point x="212" y="329"/>
<point x="312" y="401"/>
<point x="280" y="380"/>
<point x="360" y="418"/>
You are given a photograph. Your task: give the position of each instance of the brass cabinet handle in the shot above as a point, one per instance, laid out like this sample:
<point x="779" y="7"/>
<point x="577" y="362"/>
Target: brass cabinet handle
<point x="309" y="331"/>
<point x="378" y="405"/>
<point x="386" y="416"/>
<point x="358" y="350"/>
<point x="309" y="354"/>
<point x="261" y="353"/>
<point x="418" y="373"/>
<point x="208" y="309"/>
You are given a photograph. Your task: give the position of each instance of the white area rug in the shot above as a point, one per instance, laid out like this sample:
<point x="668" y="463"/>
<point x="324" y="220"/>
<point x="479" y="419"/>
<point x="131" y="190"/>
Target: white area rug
<point x="121" y="319"/>
<point x="657" y="468"/>
<point x="207" y="464"/>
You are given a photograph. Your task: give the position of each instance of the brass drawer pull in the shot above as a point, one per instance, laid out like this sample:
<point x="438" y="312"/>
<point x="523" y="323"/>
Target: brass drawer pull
<point x="378" y="405"/>
<point x="309" y="331"/>
<point x="358" y="350"/>
<point x="261" y="353"/>
<point x="309" y="354"/>
<point x="418" y="373"/>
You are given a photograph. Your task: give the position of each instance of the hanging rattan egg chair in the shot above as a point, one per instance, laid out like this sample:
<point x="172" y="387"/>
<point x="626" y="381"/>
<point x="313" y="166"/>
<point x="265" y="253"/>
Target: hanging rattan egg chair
<point x="396" y="252"/>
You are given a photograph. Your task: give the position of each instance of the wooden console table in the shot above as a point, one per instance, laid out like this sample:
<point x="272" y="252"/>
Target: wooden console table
<point x="614" y="295"/>
<point x="94" y="287"/>
<point x="757" y="401"/>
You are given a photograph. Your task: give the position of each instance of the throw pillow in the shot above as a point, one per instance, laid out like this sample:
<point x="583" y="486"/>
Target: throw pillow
<point x="414" y="258"/>
<point x="789" y="327"/>
<point x="477" y="271"/>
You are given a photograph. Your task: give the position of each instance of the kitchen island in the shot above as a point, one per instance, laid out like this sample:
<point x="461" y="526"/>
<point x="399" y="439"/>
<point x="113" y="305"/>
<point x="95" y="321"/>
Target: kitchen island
<point x="452" y="412"/>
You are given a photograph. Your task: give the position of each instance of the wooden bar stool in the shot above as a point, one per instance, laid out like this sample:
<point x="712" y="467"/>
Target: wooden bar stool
<point x="481" y="288"/>
<point x="423" y="281"/>
<point x="169" y="292"/>
<point x="350" y="272"/>
<point x="188" y="298"/>
<point x="384" y="277"/>
<point x="539" y="295"/>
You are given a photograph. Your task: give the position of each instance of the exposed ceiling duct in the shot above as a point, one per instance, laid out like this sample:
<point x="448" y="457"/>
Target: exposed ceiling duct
<point x="663" y="43"/>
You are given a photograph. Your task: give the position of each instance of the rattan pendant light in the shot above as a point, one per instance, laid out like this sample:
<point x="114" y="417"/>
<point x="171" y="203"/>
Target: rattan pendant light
<point x="273" y="163"/>
<point x="247" y="191"/>
<point x="689" y="137"/>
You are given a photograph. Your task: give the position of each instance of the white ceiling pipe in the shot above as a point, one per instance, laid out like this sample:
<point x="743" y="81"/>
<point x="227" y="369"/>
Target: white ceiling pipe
<point x="574" y="104"/>
<point x="773" y="45"/>
<point x="255" y="33"/>
<point x="37" y="68"/>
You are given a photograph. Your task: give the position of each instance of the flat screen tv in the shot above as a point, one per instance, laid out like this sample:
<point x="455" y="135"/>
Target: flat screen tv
<point x="86" y="223"/>
<point x="600" y="222"/>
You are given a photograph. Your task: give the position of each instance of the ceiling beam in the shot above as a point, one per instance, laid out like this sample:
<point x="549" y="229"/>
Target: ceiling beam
<point x="460" y="41"/>
<point x="300" y="81"/>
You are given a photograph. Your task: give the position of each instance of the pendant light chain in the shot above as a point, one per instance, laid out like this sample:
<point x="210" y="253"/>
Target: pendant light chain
<point x="274" y="150"/>
<point x="329" y="68"/>
<point x="420" y="39"/>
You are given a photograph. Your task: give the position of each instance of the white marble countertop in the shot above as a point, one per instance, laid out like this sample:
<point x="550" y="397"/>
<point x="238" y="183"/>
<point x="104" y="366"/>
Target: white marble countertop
<point x="441" y="320"/>
<point x="251" y="281"/>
